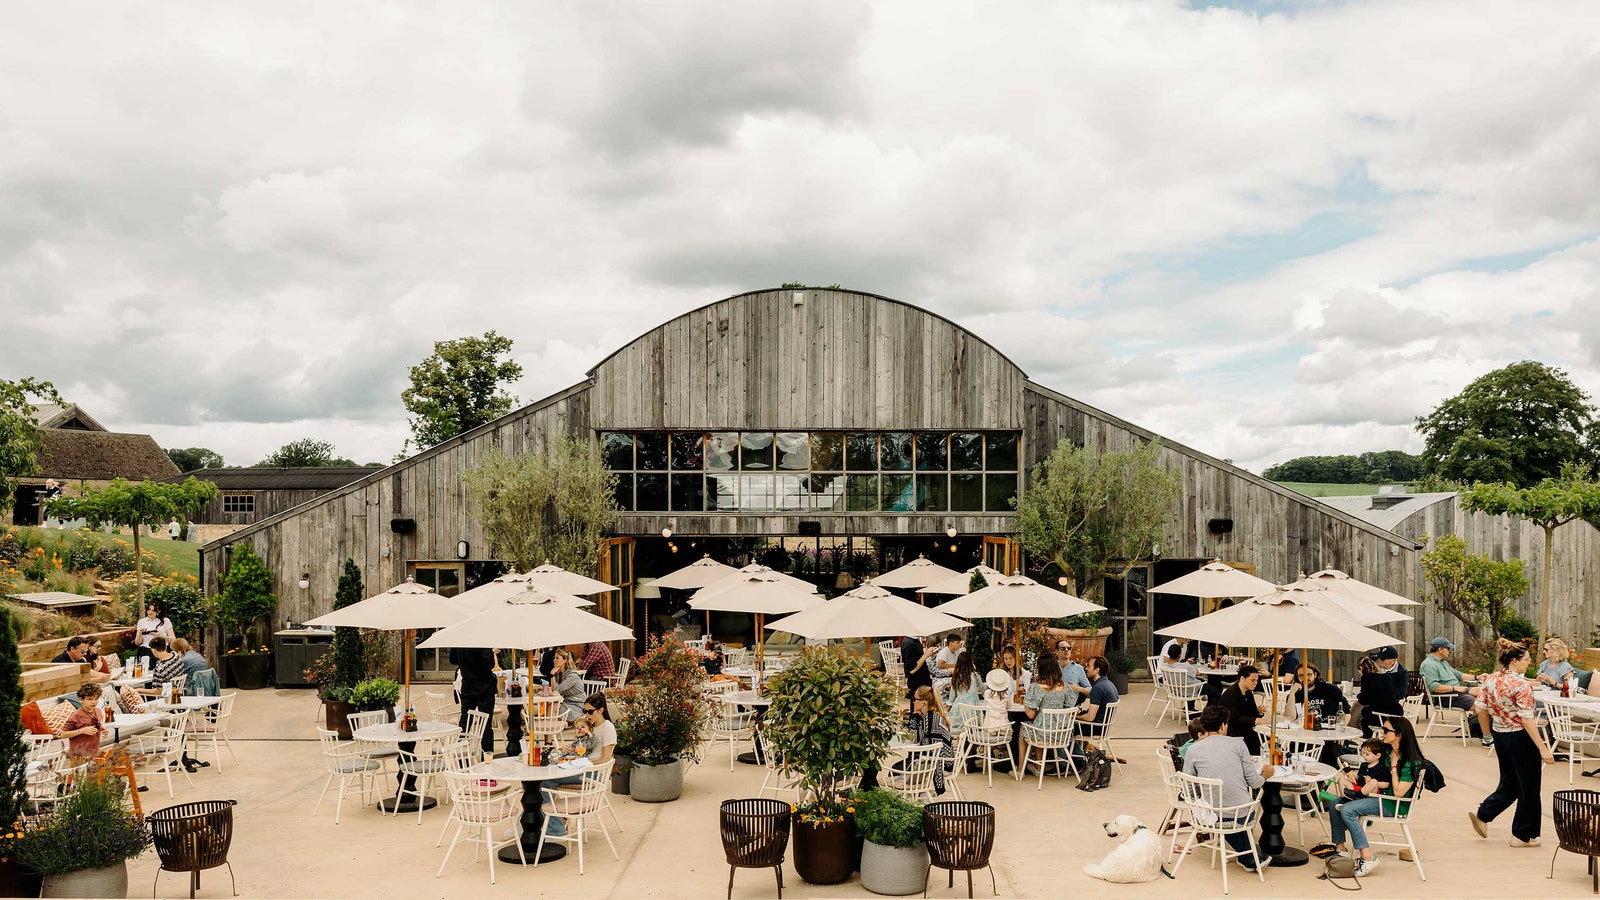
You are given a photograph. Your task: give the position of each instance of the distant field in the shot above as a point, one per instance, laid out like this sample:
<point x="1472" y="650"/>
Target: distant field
<point x="1313" y="489"/>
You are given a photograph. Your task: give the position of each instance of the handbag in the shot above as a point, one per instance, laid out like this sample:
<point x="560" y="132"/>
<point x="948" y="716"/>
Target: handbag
<point x="1335" y="869"/>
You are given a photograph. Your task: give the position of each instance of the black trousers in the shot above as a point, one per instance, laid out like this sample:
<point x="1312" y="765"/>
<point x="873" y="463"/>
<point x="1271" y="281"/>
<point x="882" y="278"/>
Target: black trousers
<point x="1520" y="771"/>
<point x="482" y="701"/>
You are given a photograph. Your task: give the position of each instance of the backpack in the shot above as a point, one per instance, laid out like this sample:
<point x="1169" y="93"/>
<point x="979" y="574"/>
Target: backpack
<point x="1096" y="769"/>
<point x="1432" y="778"/>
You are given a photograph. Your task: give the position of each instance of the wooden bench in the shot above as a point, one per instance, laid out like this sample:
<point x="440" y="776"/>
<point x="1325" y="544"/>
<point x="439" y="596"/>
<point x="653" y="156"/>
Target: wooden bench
<point x="61" y="601"/>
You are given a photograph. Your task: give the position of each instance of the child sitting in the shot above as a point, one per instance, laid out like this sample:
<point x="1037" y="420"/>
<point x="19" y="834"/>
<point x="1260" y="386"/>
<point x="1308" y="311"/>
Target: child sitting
<point x="1366" y="781"/>
<point x="582" y="743"/>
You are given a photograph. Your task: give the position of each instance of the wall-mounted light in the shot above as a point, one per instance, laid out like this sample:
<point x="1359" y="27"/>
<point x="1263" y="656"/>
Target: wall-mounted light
<point x="950" y="528"/>
<point x="671" y="526"/>
<point x="305" y="580"/>
<point x="1062" y="581"/>
<point x="1393" y="550"/>
<point x="463" y="549"/>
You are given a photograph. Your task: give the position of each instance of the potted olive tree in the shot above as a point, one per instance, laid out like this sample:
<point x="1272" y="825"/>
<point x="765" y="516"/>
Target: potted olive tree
<point x="82" y="847"/>
<point x="666" y="720"/>
<point x="831" y="718"/>
<point x="894" y="859"/>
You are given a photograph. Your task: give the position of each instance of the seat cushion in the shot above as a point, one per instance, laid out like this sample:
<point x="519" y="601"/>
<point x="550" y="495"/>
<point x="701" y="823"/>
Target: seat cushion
<point x="33" y="719"/>
<point x="1583" y="678"/>
<point x="132" y="701"/>
<point x="55" y="717"/>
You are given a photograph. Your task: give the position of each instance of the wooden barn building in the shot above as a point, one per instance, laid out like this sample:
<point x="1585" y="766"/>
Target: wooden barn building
<point x="79" y="452"/>
<point x="246" y="495"/>
<point x="807" y="414"/>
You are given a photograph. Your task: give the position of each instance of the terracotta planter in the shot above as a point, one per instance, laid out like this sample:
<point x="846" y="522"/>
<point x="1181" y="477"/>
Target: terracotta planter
<point x="112" y="881"/>
<point x="15" y="881"/>
<point x="656" y="784"/>
<point x="1084" y="643"/>
<point x="822" y="852"/>
<point x="336" y="717"/>
<point x="895" y="871"/>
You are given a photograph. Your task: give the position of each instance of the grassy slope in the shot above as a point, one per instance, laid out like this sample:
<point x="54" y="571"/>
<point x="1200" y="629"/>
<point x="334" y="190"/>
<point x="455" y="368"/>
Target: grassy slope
<point x="1312" y="489"/>
<point x="174" y="556"/>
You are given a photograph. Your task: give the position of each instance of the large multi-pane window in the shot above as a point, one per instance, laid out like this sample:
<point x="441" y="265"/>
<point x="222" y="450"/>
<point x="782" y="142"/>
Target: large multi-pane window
<point x="815" y="471"/>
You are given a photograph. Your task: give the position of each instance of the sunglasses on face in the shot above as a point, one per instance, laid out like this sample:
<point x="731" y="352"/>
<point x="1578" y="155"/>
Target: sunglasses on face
<point x="1390" y="731"/>
<point x="589" y="710"/>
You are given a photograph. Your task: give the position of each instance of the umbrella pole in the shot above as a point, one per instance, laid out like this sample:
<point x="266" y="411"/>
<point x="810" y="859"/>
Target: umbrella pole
<point x="1272" y="752"/>
<point x="405" y="666"/>
<point x="529" y="694"/>
<point x="761" y="649"/>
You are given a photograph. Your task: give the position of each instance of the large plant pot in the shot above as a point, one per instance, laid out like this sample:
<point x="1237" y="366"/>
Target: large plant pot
<point x="112" y="881"/>
<point x="621" y="774"/>
<point x="250" y="670"/>
<point x="656" y="784"/>
<point x="336" y="717"/>
<point x="15" y="881"/>
<point x="822" y="852"/>
<point x="1084" y="643"/>
<point x="1119" y="680"/>
<point x="893" y="870"/>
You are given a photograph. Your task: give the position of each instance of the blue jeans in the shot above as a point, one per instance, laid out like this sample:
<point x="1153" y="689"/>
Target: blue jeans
<point x="1348" y="817"/>
<point x="553" y="825"/>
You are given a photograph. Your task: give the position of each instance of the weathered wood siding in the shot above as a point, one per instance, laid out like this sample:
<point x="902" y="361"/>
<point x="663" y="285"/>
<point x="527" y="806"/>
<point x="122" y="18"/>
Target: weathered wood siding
<point x="267" y="504"/>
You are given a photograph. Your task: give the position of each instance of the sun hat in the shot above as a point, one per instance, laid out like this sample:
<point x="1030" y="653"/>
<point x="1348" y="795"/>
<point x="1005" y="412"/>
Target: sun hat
<point x="997" y="680"/>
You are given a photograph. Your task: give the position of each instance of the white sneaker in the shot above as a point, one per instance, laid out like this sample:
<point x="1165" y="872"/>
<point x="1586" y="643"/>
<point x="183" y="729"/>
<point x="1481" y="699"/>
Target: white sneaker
<point x="1365" y="866"/>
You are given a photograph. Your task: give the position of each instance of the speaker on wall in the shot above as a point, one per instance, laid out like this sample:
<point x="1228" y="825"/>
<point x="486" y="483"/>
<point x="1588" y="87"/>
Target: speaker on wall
<point x="1220" y="526"/>
<point x="404" y="525"/>
<point x="810" y="528"/>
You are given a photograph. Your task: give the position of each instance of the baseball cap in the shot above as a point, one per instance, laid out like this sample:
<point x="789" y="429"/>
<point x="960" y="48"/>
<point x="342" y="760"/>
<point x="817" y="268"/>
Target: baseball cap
<point x="1438" y="642"/>
<point x="1385" y="652"/>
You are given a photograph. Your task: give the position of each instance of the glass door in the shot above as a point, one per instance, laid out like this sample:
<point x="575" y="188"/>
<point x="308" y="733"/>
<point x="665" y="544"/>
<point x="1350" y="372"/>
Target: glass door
<point x="1127" y="602"/>
<point x="616" y="567"/>
<point x="1002" y="554"/>
<point x="446" y="579"/>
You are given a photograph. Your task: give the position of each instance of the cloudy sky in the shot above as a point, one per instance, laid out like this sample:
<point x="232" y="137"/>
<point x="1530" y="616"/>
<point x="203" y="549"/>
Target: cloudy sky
<point x="1265" y="229"/>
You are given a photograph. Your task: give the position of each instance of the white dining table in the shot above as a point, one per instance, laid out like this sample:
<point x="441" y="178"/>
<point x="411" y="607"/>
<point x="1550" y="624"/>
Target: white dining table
<point x="183" y="703"/>
<point x="406" y="741"/>
<point x="516" y="768"/>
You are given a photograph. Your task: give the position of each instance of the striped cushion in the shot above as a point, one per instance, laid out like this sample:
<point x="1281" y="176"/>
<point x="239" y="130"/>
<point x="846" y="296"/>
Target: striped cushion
<point x="55" y="717"/>
<point x="132" y="702"/>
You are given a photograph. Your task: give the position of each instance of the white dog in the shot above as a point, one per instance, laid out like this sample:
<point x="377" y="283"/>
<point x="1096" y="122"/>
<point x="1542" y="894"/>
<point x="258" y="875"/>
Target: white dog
<point x="1137" y="858"/>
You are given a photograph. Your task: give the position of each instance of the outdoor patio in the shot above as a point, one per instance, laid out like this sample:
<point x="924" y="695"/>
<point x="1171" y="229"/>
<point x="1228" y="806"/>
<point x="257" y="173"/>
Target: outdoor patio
<point x="672" y="849"/>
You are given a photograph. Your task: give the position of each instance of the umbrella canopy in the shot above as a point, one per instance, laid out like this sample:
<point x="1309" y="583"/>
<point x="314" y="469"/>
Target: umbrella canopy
<point x="1340" y="583"/>
<point x="1289" y="616"/>
<point x="1017" y="597"/>
<point x="740" y="579"/>
<point x="1368" y="614"/>
<point x="764" y="592"/>
<point x="915" y="575"/>
<point x="867" y="611"/>
<point x="405" y="606"/>
<point x="510" y="585"/>
<point x="961" y="582"/>
<point x="1216" y="579"/>
<point x="532" y="620"/>
<point x="557" y="580"/>
<point x="698" y="574"/>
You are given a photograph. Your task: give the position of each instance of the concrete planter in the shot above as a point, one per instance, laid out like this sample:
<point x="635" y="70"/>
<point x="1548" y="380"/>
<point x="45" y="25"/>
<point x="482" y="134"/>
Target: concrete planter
<point x="895" y="871"/>
<point x="112" y="881"/>
<point x="656" y="784"/>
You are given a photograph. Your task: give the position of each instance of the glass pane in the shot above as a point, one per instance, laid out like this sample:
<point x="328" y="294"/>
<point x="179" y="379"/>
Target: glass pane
<point x="897" y="494"/>
<point x="617" y="449"/>
<point x="827" y="451"/>
<point x="650" y="449"/>
<point x="1002" y="449"/>
<point x="861" y="452"/>
<point x="826" y="491"/>
<point x="966" y="493"/>
<point x="755" y="450"/>
<point x="757" y="492"/>
<point x="719" y="448"/>
<point x="652" y="493"/>
<point x="1001" y="493"/>
<point x="794" y="450"/>
<point x="722" y="492"/>
<point x="861" y="493"/>
<point x="931" y="452"/>
<point x="932" y="493"/>
<point x="792" y="493"/>
<point x="966" y="452"/>
<point x="688" y="493"/>
<point x="686" y="450"/>
<point x="896" y="452"/>
<point x="624" y="492"/>
<point x="449" y="583"/>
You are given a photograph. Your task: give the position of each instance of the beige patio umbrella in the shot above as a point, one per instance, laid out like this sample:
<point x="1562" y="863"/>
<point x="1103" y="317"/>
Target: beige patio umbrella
<point x="1357" y="598"/>
<point x="1340" y="583"/>
<point x="1216" y="579"/>
<point x="508" y="585"/>
<point x="405" y="607"/>
<point x="557" y="580"/>
<point x="698" y="574"/>
<point x="762" y="592"/>
<point x="961" y="582"/>
<point x="1017" y="597"/>
<point x="867" y="611"/>
<point x="529" y="621"/>
<point x="915" y="575"/>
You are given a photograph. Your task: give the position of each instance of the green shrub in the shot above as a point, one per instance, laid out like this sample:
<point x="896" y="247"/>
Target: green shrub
<point x="1515" y="628"/>
<point x="888" y="819"/>
<point x="91" y="828"/>
<point x="831" y="717"/>
<point x="375" y="693"/>
<point x="188" y="609"/>
<point x="348" y="667"/>
<point x="247" y="595"/>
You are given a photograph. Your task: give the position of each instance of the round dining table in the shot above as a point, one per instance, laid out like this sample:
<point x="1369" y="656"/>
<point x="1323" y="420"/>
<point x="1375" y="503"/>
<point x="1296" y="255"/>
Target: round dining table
<point x="516" y="768"/>
<point x="406" y="741"/>
<point x="759" y="703"/>
<point x="1272" y="843"/>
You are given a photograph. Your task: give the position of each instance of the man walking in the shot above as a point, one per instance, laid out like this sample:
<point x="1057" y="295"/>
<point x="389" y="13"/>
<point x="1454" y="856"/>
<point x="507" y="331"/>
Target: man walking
<point x="478" y="680"/>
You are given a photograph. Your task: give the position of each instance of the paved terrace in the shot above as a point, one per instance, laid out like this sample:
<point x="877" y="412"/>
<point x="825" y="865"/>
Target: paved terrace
<point x="672" y="849"/>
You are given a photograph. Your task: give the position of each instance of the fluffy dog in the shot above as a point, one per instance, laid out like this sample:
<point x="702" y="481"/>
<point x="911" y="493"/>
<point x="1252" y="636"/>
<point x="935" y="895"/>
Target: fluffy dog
<point x="1137" y="858"/>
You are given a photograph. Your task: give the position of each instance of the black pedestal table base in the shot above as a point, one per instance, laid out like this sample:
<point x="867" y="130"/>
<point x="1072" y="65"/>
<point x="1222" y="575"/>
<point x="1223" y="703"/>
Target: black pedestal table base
<point x="1272" y="829"/>
<point x="532" y="827"/>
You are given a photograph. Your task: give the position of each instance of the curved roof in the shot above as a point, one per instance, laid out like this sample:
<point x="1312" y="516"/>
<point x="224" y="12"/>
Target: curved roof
<point x="866" y="294"/>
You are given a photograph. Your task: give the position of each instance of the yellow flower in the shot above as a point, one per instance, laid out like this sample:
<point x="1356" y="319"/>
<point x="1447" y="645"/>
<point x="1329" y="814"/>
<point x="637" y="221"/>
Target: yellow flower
<point x="850" y="809"/>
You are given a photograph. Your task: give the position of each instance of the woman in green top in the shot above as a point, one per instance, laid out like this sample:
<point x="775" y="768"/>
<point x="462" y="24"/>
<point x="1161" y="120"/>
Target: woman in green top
<point x="1402" y="764"/>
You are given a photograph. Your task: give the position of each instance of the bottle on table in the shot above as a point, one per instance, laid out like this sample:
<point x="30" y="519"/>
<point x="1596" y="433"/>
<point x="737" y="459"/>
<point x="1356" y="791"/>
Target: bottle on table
<point x="408" y="722"/>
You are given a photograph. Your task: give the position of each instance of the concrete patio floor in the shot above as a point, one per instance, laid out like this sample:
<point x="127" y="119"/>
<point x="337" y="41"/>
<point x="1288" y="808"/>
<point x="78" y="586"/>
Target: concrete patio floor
<point x="672" y="849"/>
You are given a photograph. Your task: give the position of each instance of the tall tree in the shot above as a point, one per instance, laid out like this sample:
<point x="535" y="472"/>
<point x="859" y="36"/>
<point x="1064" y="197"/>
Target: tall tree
<point x="1549" y="504"/>
<point x="347" y="663"/>
<point x="13" y="753"/>
<point x="458" y="388"/>
<point x="1097" y="514"/>
<point x="1518" y="424"/>
<point x="304" y="452"/>
<point x="137" y="504"/>
<point x="188" y="459"/>
<point x="1473" y="588"/>
<point x="20" y="440"/>
<point x="549" y="505"/>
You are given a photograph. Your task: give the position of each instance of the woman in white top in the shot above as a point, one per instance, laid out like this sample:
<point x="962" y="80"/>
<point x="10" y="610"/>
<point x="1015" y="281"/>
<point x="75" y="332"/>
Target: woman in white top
<point x="605" y="741"/>
<point x="155" y="622"/>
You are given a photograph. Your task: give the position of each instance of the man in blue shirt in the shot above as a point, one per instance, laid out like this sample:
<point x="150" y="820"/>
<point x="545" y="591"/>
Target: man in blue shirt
<point x="1072" y="674"/>
<point x="1102" y="692"/>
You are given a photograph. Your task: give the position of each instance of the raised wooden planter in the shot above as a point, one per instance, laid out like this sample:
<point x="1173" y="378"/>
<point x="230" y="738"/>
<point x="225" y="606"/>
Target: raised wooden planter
<point x="49" y="679"/>
<point x="1084" y="643"/>
<point x="44" y="651"/>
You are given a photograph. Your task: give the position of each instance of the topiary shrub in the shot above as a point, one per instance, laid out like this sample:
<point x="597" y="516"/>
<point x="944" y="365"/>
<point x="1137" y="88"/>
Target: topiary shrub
<point x="348" y="665"/>
<point x="832" y="716"/>
<point x="247" y="595"/>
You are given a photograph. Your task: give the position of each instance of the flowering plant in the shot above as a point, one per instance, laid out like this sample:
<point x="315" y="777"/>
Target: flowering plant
<point x="90" y="828"/>
<point x="824" y="812"/>
<point x="667" y="715"/>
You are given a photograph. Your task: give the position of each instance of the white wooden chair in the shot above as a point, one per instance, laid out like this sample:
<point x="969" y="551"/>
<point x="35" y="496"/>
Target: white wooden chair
<point x="481" y="812"/>
<point x="212" y="725"/>
<point x="578" y="808"/>
<point x="442" y="707"/>
<point x="346" y="761"/>
<point x="1157" y="683"/>
<point x="731" y="724"/>
<point x="975" y="738"/>
<point x="913" y="778"/>
<point x="1441" y="709"/>
<point x="1051" y="733"/>
<point x="163" y="748"/>
<point x="1182" y="689"/>
<point x="1177" y="820"/>
<point x="1568" y="735"/>
<point x="779" y="779"/>
<point x="386" y="755"/>
<point x="1098" y="734"/>
<point x="623" y="668"/>
<point x="1393" y="829"/>
<point x="1211" y="822"/>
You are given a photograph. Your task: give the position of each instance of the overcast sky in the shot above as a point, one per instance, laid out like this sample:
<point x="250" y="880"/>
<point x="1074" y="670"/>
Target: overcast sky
<point x="1265" y="229"/>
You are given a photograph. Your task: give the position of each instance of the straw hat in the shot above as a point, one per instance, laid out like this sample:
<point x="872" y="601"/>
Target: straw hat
<point x="997" y="680"/>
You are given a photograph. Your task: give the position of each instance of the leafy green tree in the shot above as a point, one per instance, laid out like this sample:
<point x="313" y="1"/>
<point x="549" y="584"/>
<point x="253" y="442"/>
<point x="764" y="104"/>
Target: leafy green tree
<point x="13" y="754"/>
<point x="458" y="388"/>
<point x="348" y="668"/>
<point x="304" y="452"/>
<point x="137" y="505"/>
<point x="549" y="505"/>
<point x="1518" y="424"/>
<point x="20" y="440"/>
<point x="1475" y="589"/>
<point x="1368" y="468"/>
<point x="1097" y="514"/>
<point x="246" y="593"/>
<point x="188" y="459"/>
<point x="1550" y="504"/>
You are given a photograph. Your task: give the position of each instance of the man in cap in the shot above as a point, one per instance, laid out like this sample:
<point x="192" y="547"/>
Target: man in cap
<point x="1448" y="687"/>
<point x="1388" y="660"/>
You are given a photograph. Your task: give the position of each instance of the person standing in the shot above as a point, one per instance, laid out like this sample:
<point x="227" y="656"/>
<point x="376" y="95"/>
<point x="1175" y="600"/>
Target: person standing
<point x="478" y="681"/>
<point x="915" y="661"/>
<point x="1376" y="694"/>
<point x="1518" y="747"/>
<point x="154" y="624"/>
<point x="174" y="530"/>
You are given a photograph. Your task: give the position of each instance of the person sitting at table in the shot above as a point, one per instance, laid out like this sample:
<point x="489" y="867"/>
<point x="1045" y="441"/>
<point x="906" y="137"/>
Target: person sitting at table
<point x="108" y="666"/>
<point x="1048" y="691"/>
<point x="1239" y="699"/>
<point x="598" y="713"/>
<point x="597" y="662"/>
<point x="915" y="662"/>
<point x="1180" y="644"/>
<point x="1556" y="668"/>
<point x="1218" y="754"/>
<point x="1173" y="661"/>
<point x="168" y="667"/>
<point x="944" y="662"/>
<point x="1072" y="674"/>
<point x="997" y="699"/>
<point x="927" y="724"/>
<point x="565" y="680"/>
<point x="963" y="685"/>
<point x="1402" y="761"/>
<point x="1446" y="685"/>
<point x="192" y="661"/>
<point x="78" y="652"/>
<point x="1288" y="666"/>
<point x="82" y="728"/>
<point x="1020" y="676"/>
<point x="583" y="741"/>
<point x="1102" y="693"/>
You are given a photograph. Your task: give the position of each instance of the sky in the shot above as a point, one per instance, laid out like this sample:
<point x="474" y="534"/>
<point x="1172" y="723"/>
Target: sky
<point x="1262" y="228"/>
